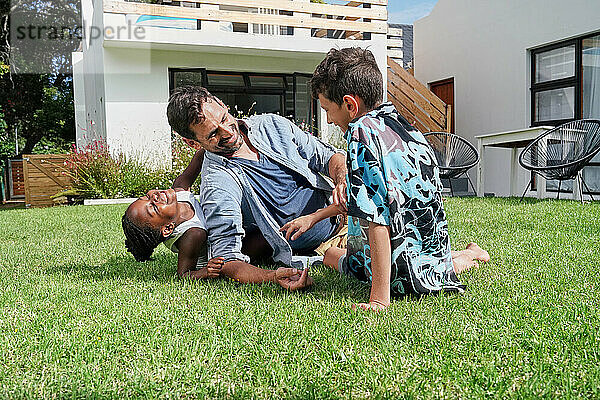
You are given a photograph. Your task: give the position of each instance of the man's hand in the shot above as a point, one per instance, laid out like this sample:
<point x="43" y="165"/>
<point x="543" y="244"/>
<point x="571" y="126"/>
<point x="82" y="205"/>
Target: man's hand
<point x="291" y="279"/>
<point x="213" y="268"/>
<point x="299" y="225"/>
<point x="372" y="306"/>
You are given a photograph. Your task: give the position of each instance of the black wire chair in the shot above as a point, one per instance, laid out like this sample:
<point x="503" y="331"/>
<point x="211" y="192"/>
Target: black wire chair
<point x="454" y="154"/>
<point x="562" y="152"/>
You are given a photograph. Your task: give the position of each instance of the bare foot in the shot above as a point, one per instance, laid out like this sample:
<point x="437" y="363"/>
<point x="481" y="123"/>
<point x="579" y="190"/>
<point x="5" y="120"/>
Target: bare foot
<point x="480" y="254"/>
<point x="463" y="262"/>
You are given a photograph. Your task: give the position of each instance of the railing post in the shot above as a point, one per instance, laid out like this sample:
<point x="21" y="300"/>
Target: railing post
<point x="210" y="26"/>
<point x="302" y="32"/>
<point x="378" y="46"/>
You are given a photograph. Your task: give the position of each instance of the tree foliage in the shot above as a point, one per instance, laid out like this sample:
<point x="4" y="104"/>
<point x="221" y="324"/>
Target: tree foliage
<point x="37" y="105"/>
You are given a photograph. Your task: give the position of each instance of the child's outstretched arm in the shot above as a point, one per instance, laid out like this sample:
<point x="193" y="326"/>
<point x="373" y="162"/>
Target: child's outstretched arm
<point x="189" y="248"/>
<point x="301" y="224"/>
<point x="381" y="267"/>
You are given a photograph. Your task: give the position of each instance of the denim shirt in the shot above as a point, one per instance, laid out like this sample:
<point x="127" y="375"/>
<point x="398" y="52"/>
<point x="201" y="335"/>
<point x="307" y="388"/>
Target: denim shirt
<point x="228" y="200"/>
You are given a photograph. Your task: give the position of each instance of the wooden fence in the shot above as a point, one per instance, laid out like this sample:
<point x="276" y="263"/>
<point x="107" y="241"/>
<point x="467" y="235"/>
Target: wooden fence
<point x="353" y="17"/>
<point x="415" y="102"/>
<point x="16" y="180"/>
<point x="45" y="175"/>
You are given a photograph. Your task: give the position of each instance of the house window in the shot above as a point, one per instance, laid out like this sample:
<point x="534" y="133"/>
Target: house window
<point x="555" y="83"/>
<point x="565" y="86"/>
<point x="255" y="93"/>
<point x="566" y="81"/>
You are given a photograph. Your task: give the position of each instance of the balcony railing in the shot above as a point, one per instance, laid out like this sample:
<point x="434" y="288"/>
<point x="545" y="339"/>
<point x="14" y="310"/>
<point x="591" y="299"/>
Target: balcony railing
<point x="330" y="19"/>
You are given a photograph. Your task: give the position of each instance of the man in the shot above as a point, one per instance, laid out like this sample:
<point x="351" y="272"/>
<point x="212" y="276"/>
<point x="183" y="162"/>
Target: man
<point x="257" y="175"/>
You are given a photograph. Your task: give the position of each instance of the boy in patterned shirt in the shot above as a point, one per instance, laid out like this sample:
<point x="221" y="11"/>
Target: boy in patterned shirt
<point x="397" y="230"/>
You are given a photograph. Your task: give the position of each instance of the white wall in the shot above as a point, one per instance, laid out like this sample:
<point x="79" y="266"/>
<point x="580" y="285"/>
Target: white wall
<point x="485" y="45"/>
<point x="88" y="84"/>
<point x="79" y="97"/>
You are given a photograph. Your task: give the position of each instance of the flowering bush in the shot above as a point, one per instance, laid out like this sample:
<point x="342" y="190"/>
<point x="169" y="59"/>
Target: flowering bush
<point x="98" y="174"/>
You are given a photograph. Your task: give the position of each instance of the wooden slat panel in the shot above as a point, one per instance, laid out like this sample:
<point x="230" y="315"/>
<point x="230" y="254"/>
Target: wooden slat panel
<point x="418" y="86"/>
<point x="120" y="7"/>
<point x="374" y="2"/>
<point x="395" y="53"/>
<point x="45" y="180"/>
<point x="394" y="31"/>
<point x="53" y="158"/>
<point x="409" y="116"/>
<point x="51" y="174"/>
<point x="45" y="193"/>
<point x="42" y="203"/>
<point x="399" y="97"/>
<point x="415" y="102"/>
<point x="348" y="10"/>
<point x="45" y="177"/>
<point x="17" y="179"/>
<point x="416" y="98"/>
<point x="260" y="3"/>
<point x="26" y="179"/>
<point x="36" y="173"/>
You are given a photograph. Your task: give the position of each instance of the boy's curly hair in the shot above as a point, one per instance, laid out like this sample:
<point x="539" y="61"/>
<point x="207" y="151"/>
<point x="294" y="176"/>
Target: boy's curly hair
<point x="140" y="240"/>
<point x="352" y="71"/>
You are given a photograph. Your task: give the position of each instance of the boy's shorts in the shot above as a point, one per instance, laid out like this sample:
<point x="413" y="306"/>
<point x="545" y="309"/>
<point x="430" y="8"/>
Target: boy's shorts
<point x="339" y="239"/>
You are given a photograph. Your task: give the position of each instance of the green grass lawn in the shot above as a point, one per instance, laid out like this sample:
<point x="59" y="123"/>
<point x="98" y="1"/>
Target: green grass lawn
<point x="80" y="318"/>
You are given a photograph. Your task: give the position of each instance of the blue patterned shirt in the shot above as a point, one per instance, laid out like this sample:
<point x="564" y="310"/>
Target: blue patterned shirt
<point x="393" y="180"/>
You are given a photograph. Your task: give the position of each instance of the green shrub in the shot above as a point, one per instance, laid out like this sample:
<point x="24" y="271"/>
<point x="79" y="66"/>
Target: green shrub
<point x="98" y="174"/>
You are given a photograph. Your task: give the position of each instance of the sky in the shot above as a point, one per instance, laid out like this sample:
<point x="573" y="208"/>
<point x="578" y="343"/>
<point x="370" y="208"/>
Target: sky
<point x="408" y="11"/>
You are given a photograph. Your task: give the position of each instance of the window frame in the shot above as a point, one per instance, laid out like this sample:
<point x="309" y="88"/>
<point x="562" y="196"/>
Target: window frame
<point x="249" y="89"/>
<point x="575" y="81"/>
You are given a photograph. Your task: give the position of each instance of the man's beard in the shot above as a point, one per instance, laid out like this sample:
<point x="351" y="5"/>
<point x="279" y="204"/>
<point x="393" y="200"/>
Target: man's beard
<point x="229" y="151"/>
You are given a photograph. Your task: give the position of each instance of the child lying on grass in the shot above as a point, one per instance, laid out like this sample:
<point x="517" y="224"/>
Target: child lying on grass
<point x="397" y="230"/>
<point x="173" y="217"/>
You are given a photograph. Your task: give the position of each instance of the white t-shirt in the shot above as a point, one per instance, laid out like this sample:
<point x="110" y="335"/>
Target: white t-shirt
<point x="197" y="221"/>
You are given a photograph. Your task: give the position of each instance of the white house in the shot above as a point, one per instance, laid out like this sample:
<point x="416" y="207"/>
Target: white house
<point x="514" y="65"/>
<point x="250" y="53"/>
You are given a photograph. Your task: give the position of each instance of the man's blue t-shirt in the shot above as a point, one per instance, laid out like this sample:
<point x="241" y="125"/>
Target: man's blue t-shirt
<point x="287" y="195"/>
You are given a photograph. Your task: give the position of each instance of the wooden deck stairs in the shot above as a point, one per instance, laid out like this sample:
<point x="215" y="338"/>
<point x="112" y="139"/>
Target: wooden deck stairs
<point x="415" y="102"/>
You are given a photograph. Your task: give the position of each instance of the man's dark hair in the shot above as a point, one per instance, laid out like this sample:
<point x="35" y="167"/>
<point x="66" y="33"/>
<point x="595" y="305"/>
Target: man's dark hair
<point x="352" y="71"/>
<point x="185" y="108"/>
<point x="140" y="240"/>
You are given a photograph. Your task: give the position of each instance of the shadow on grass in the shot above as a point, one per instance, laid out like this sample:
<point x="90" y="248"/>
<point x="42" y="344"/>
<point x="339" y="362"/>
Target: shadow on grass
<point x="162" y="268"/>
<point x="12" y="206"/>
